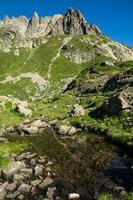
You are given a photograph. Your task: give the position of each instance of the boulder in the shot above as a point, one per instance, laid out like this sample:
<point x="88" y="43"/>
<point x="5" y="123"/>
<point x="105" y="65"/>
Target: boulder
<point x="39" y="124"/>
<point x="116" y="104"/>
<point x="68" y="130"/>
<point x="23" y="110"/>
<point x="77" y="111"/>
<point x="63" y="129"/>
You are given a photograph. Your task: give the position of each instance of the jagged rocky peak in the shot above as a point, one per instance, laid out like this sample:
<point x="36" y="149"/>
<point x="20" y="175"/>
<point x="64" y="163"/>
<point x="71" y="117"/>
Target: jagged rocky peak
<point x="33" y="25"/>
<point x="72" y="22"/>
<point x="75" y="23"/>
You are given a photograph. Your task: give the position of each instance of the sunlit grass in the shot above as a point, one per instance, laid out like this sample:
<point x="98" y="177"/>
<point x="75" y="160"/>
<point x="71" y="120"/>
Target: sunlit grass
<point x="7" y="149"/>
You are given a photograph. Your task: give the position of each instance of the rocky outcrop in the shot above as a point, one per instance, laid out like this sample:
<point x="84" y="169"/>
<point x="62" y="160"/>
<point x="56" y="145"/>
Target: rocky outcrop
<point x="116" y="104"/>
<point x="23" y="109"/>
<point x="72" y="23"/>
<point x="32" y="29"/>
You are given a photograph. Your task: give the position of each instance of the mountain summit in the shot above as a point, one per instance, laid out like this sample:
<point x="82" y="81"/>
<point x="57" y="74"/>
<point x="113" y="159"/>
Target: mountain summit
<point x="72" y="22"/>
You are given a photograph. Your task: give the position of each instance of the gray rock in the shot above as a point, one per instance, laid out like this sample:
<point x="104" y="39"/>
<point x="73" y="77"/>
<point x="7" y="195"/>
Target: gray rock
<point x="30" y="155"/>
<point x="46" y="183"/>
<point x="48" y="169"/>
<point x="3" y="191"/>
<point x="116" y="104"/>
<point x="23" y="110"/>
<point x="11" y="187"/>
<point x="68" y="130"/>
<point x="13" y="168"/>
<point x="77" y="111"/>
<point x="33" y="26"/>
<point x="27" y="172"/>
<point x="51" y="192"/>
<point x="13" y="195"/>
<point x="35" y="182"/>
<point x="18" y="178"/>
<point x="39" y="170"/>
<point x="24" y="188"/>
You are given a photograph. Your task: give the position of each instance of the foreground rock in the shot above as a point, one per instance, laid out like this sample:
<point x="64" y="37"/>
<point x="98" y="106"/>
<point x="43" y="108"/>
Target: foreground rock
<point x="32" y="177"/>
<point x="20" y="179"/>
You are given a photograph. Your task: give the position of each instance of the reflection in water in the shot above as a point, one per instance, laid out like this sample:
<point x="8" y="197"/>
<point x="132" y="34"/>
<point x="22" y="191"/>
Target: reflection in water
<point x="85" y="164"/>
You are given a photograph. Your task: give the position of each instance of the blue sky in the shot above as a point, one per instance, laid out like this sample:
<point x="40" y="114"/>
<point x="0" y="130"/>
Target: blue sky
<point x="114" y="17"/>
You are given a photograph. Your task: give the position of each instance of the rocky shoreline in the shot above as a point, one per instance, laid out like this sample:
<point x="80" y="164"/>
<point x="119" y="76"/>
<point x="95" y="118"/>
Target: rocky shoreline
<point x="37" y="126"/>
<point x="30" y="176"/>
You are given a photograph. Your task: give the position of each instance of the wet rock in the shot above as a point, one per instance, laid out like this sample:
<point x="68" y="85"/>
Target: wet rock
<point x="77" y="111"/>
<point x="46" y="183"/>
<point x="24" y="188"/>
<point x="13" y="168"/>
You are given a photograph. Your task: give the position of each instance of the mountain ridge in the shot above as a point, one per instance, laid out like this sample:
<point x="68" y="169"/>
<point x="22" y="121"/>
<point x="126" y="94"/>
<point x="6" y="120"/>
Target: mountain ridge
<point x="72" y="22"/>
